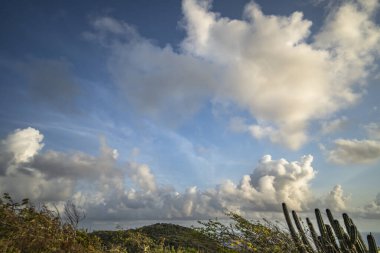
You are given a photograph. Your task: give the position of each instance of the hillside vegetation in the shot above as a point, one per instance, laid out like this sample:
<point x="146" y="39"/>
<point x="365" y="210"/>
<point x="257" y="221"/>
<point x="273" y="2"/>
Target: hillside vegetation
<point x="26" y="228"/>
<point x="159" y="236"/>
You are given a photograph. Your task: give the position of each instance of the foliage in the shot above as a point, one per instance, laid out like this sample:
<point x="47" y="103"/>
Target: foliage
<point x="177" y="236"/>
<point x="159" y="238"/>
<point x="24" y="228"/>
<point x="333" y="238"/>
<point x="124" y="239"/>
<point x="246" y="236"/>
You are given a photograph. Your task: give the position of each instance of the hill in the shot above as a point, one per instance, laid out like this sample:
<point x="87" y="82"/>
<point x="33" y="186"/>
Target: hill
<point x="168" y="235"/>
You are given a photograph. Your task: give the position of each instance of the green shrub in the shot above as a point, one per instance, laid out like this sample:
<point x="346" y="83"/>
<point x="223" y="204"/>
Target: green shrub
<point x="243" y="235"/>
<point x="24" y="228"/>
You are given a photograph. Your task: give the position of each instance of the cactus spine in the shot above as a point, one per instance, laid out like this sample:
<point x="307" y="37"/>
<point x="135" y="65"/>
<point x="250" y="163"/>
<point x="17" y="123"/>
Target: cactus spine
<point x="332" y="239"/>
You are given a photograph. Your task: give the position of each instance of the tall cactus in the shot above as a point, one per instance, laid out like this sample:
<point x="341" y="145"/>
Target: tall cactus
<point x="293" y="233"/>
<point x="371" y="244"/>
<point x="305" y="241"/>
<point x="314" y="235"/>
<point x="332" y="239"/>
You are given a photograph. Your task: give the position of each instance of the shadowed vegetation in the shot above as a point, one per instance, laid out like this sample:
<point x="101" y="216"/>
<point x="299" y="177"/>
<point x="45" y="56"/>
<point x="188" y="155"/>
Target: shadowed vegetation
<point x="26" y="228"/>
<point x="331" y="238"/>
<point x="242" y="235"/>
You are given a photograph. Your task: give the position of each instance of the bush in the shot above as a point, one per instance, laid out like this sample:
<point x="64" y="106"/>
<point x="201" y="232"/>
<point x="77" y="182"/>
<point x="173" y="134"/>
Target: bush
<point x="245" y="236"/>
<point x="24" y="228"/>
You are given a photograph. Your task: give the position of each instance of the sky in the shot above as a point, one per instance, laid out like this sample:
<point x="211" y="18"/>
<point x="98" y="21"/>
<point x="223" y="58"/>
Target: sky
<point x="180" y="110"/>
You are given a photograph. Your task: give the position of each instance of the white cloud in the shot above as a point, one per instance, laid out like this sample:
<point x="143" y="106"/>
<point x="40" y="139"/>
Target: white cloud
<point x="372" y="210"/>
<point x="23" y="144"/>
<point x="353" y="39"/>
<point x="354" y="151"/>
<point x="269" y="67"/>
<point x="51" y="175"/>
<point x="98" y="183"/>
<point x="35" y="186"/>
<point x="142" y="176"/>
<point x="260" y="132"/>
<point x="17" y="152"/>
<point x="336" y="200"/>
<point x="271" y="183"/>
<point x="269" y="57"/>
<point x="369" y="5"/>
<point x="285" y="181"/>
<point x="266" y="59"/>
<point x="19" y="147"/>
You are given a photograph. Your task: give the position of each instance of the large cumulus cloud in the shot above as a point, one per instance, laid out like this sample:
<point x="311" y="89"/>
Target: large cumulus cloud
<point x="270" y="66"/>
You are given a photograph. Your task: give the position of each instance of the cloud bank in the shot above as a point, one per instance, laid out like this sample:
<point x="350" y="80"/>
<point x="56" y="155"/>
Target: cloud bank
<point x="270" y="66"/>
<point x="108" y="190"/>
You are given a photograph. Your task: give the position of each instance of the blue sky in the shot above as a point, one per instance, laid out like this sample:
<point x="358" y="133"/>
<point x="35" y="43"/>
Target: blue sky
<point x="179" y="110"/>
